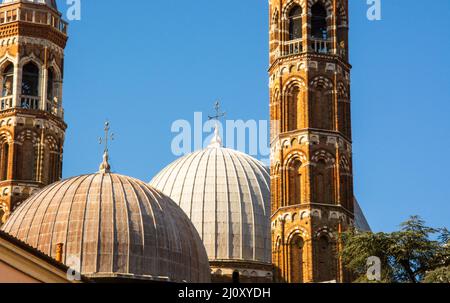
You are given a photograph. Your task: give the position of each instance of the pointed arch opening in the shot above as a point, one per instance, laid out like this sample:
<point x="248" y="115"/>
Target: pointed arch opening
<point x="322" y="108"/>
<point x="320" y="42"/>
<point x="27" y="157"/>
<point x="294" y="35"/>
<point x="295" y="179"/>
<point x="320" y="187"/>
<point x="323" y="183"/>
<point x="319" y="26"/>
<point x="30" y="79"/>
<point x="295" y="23"/>
<point x="30" y="86"/>
<point x="52" y="161"/>
<point x="7" y="74"/>
<point x="7" y="79"/>
<point x="295" y="109"/>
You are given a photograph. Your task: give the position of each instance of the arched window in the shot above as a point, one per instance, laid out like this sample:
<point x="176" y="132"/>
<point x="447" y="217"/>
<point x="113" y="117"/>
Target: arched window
<point x="8" y="80"/>
<point x="295" y="112"/>
<point x="319" y="185"/>
<point x="4" y="157"/>
<point x="27" y="170"/>
<point x="319" y="22"/>
<point x="52" y="166"/>
<point x="322" y="109"/>
<point x="295" y="23"/>
<point x="30" y="80"/>
<point x="325" y="257"/>
<point x="292" y="109"/>
<point x="296" y="247"/>
<point x="295" y="182"/>
<point x="323" y="183"/>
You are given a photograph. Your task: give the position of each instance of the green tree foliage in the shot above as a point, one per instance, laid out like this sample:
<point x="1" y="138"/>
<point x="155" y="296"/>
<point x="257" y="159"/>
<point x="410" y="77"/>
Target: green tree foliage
<point x="440" y="275"/>
<point x="416" y="253"/>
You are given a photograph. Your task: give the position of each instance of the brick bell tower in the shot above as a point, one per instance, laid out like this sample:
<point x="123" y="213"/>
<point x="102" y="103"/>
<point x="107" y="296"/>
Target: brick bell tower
<point x="32" y="41"/>
<point x="311" y="141"/>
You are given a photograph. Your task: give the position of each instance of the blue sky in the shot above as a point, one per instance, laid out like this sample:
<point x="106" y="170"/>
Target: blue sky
<point x="145" y="64"/>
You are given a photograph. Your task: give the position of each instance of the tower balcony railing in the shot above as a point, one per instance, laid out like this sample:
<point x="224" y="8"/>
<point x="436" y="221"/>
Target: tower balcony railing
<point x="29" y="102"/>
<point x="293" y="47"/>
<point x="33" y="103"/>
<point x="33" y="16"/>
<point x="6" y="102"/>
<point x="322" y="46"/>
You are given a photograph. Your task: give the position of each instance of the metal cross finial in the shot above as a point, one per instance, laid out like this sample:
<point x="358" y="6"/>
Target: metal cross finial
<point x="218" y="113"/>
<point x="105" y="168"/>
<point x="216" y="141"/>
<point x="107" y="137"/>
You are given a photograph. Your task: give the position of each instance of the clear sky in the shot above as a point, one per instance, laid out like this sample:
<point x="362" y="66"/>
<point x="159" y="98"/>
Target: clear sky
<point x="144" y="64"/>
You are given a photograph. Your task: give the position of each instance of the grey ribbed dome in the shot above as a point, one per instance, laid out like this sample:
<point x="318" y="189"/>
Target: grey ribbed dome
<point x="117" y="226"/>
<point x="360" y="219"/>
<point x="226" y="194"/>
<point x="51" y="3"/>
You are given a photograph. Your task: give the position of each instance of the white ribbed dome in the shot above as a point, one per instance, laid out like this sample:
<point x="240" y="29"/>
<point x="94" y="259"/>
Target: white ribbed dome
<point x="116" y="226"/>
<point x="50" y="3"/>
<point x="226" y="194"/>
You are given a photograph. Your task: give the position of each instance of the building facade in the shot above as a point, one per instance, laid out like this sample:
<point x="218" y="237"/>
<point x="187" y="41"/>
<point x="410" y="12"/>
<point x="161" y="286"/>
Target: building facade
<point x="32" y="41"/>
<point x="311" y="140"/>
<point x="21" y="263"/>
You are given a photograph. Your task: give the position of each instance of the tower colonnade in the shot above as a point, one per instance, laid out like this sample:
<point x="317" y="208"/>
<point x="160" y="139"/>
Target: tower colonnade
<point x="300" y="26"/>
<point x="32" y="80"/>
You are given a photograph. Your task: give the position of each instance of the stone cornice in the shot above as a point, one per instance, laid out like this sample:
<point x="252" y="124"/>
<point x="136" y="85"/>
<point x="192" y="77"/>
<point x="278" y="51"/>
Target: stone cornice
<point x="309" y="131"/>
<point x="310" y="56"/>
<point x="19" y="112"/>
<point x="310" y="206"/>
